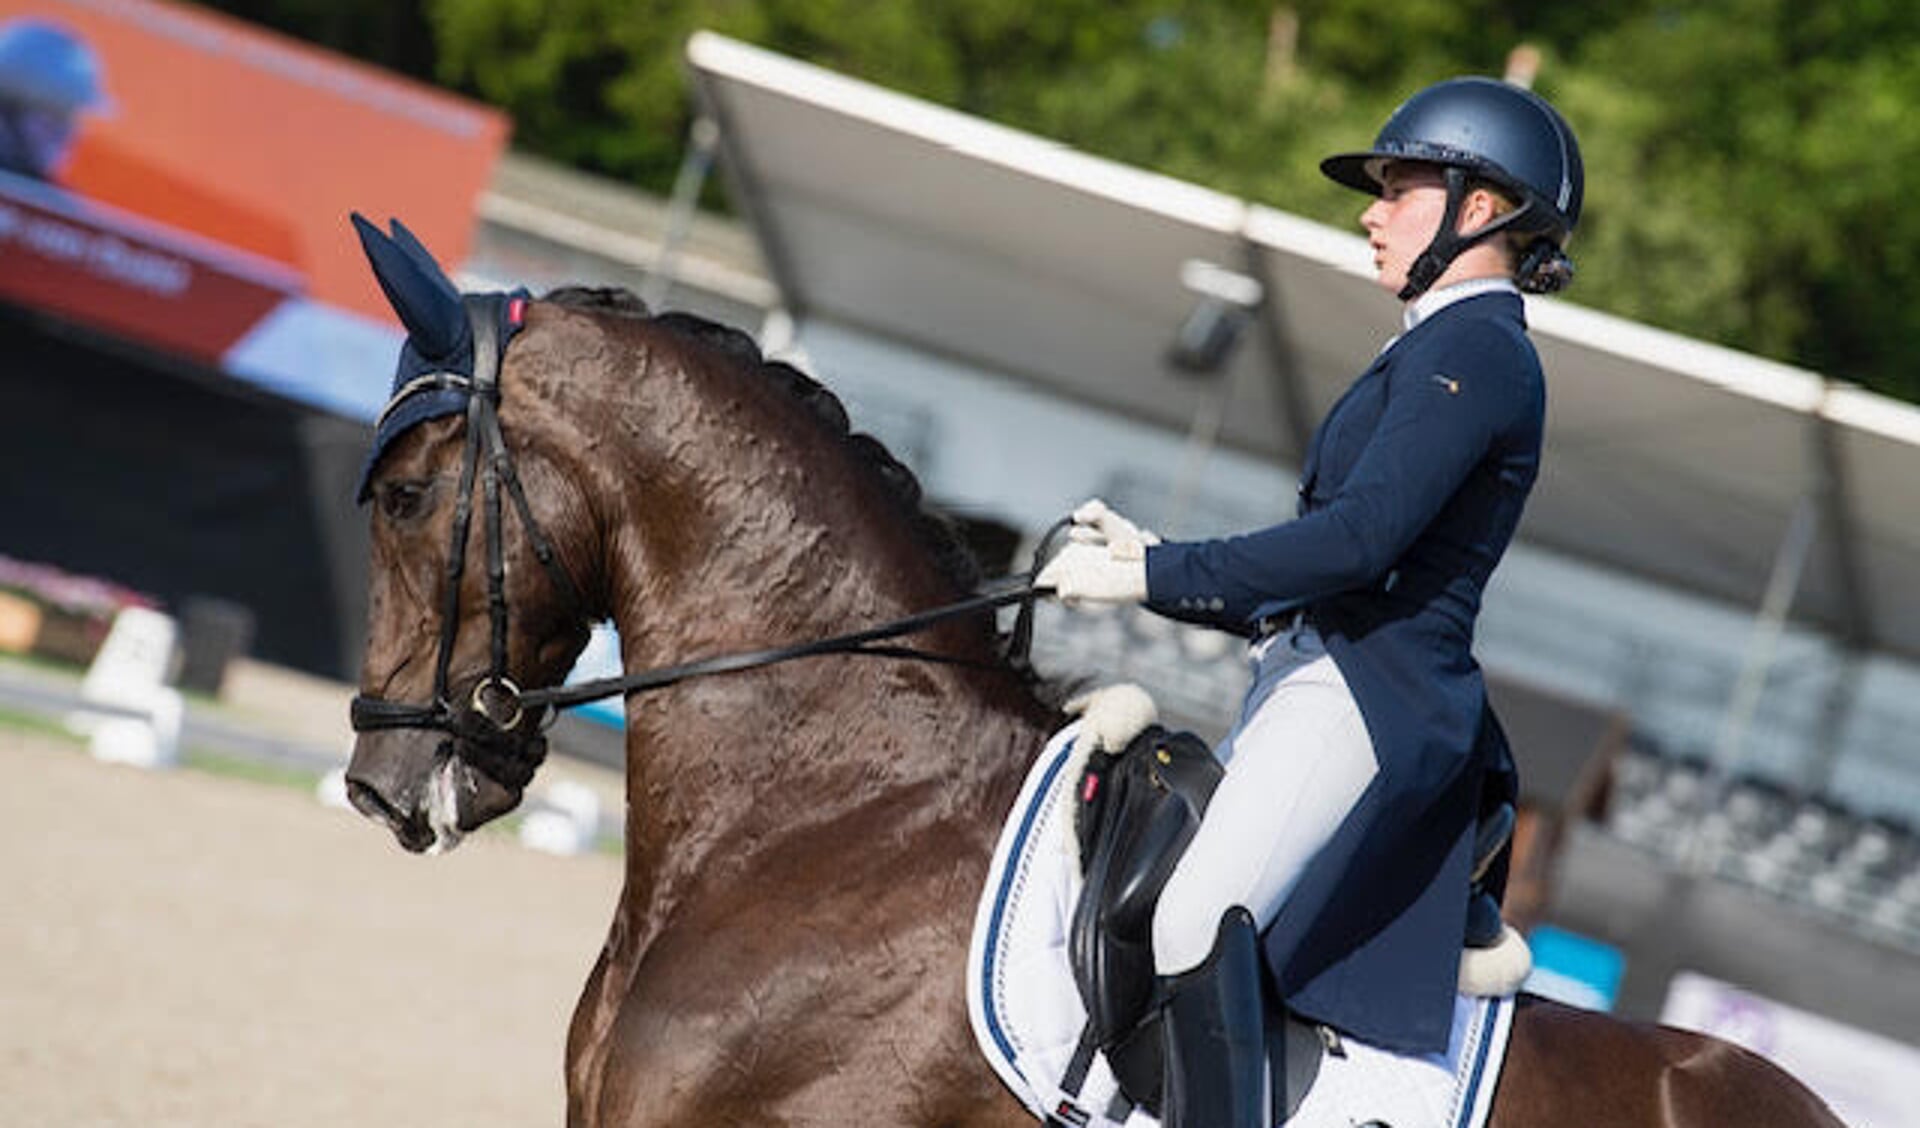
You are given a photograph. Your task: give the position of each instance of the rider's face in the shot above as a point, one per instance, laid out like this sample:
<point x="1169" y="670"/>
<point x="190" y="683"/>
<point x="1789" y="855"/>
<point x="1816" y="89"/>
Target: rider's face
<point x="1400" y="224"/>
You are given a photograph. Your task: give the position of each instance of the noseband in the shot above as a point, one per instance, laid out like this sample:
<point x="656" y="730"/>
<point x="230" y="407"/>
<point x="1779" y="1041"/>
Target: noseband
<point x="498" y="724"/>
<point x="500" y="728"/>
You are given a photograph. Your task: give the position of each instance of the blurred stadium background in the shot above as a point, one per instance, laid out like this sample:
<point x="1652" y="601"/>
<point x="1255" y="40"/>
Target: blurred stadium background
<point x="1704" y="646"/>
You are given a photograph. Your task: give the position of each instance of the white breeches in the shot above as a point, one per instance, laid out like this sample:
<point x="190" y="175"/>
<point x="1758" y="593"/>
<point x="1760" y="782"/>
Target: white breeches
<point x="1296" y="766"/>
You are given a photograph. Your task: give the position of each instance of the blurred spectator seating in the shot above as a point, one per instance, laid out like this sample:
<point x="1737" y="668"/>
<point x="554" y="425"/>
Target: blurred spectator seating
<point x="1853" y="867"/>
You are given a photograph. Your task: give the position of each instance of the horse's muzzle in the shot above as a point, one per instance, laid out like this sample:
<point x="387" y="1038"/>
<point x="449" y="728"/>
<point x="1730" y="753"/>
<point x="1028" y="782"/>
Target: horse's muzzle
<point x="412" y="782"/>
<point x="410" y="829"/>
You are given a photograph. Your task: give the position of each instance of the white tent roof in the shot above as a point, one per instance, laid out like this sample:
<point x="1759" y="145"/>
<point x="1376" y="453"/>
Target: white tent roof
<point x="1667" y="457"/>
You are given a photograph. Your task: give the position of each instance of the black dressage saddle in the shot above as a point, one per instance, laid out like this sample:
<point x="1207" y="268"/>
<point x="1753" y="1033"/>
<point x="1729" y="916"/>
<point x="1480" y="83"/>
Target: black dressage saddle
<point x="1136" y="813"/>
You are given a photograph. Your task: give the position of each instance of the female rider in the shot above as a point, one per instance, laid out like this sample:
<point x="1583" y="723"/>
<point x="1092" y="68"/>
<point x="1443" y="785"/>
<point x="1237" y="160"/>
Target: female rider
<point x="1337" y="845"/>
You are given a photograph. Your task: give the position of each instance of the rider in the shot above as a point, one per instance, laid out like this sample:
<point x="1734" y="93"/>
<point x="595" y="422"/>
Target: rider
<point x="1365" y="751"/>
<point x="48" y="78"/>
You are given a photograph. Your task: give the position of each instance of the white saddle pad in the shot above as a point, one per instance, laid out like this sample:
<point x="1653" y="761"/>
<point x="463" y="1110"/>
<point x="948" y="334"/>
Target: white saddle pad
<point x="1027" y="1016"/>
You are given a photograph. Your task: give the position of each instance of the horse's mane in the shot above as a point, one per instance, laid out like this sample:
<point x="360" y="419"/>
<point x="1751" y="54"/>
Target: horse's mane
<point x="933" y="531"/>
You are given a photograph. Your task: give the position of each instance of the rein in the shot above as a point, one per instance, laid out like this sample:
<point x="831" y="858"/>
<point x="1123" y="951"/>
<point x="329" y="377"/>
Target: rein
<point x="998" y="593"/>
<point x="502" y="723"/>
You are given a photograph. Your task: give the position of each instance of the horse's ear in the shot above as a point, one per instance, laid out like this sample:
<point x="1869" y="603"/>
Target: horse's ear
<point x="410" y="243"/>
<point x="417" y="289"/>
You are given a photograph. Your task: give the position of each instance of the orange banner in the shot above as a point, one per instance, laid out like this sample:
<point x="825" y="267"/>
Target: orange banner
<point x="217" y="134"/>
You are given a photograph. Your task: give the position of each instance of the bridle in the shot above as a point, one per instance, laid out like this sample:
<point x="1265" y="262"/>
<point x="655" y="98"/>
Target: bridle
<point x="501" y="724"/>
<point x="495" y="718"/>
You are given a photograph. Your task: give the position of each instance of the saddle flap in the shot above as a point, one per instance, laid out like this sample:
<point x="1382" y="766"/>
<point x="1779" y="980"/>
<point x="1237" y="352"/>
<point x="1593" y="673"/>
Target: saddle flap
<point x="1137" y="812"/>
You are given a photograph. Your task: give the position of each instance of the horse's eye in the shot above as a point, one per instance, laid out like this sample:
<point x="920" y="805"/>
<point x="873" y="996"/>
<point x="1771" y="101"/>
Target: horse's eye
<point x="403" y="500"/>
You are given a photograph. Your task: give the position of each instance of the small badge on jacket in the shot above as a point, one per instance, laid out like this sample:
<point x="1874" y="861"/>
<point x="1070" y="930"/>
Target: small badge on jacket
<point x="1449" y="383"/>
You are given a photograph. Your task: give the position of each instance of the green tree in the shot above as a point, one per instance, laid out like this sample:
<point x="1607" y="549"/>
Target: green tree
<point x="393" y="35"/>
<point x="1749" y="168"/>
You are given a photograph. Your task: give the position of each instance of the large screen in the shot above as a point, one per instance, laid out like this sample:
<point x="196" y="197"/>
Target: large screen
<point x="177" y="177"/>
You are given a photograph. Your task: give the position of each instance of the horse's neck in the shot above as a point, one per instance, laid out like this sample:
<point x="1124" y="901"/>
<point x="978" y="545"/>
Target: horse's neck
<point x="722" y="767"/>
<point x="817" y="762"/>
<point x="827" y="730"/>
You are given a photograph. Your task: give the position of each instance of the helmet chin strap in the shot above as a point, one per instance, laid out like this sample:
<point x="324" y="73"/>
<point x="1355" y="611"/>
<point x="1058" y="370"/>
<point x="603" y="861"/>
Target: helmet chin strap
<point x="1447" y="242"/>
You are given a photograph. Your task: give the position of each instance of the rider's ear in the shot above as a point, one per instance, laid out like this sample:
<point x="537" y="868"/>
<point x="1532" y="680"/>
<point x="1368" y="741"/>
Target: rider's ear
<point x="418" y="290"/>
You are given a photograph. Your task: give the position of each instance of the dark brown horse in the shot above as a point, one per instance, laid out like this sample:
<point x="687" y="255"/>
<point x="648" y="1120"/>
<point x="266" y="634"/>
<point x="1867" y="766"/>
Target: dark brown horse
<point x="805" y="841"/>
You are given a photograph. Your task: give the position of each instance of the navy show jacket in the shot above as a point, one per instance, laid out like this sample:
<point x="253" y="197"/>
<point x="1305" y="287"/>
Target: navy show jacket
<point x="1412" y="488"/>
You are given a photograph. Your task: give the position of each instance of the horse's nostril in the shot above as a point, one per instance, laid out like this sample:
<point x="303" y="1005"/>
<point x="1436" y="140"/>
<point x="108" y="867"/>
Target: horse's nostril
<point x="371" y="803"/>
<point x="412" y="830"/>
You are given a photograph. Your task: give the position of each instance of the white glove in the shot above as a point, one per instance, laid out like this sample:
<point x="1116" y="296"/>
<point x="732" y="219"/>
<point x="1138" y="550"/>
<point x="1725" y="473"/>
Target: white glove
<point x="1094" y="523"/>
<point x="1094" y="573"/>
<point x="1111" y="716"/>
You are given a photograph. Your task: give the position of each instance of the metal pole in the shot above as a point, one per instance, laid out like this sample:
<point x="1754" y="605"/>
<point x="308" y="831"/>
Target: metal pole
<point x="1789" y="563"/>
<point x="1203" y="434"/>
<point x="1287" y="382"/>
<point x="703" y="140"/>
<point x="1236" y="298"/>
<point x="1855" y="635"/>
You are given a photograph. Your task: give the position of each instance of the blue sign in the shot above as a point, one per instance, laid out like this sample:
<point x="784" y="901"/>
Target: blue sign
<point x="600" y="659"/>
<point x="1574" y="969"/>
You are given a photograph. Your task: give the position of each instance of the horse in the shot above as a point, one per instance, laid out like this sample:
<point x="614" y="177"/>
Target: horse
<point x="805" y="839"/>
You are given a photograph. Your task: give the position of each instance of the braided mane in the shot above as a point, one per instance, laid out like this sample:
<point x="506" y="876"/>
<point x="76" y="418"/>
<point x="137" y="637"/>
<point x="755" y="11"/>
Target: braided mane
<point x="934" y="532"/>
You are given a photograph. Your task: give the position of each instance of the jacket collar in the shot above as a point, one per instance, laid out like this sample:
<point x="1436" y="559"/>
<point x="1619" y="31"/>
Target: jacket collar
<point x="1433" y="301"/>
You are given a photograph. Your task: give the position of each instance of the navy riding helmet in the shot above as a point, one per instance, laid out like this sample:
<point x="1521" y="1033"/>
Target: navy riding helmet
<point x="1497" y="132"/>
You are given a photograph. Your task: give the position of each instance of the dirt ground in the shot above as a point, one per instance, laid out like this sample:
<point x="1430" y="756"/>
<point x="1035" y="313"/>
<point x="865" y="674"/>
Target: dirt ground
<point x="179" y="948"/>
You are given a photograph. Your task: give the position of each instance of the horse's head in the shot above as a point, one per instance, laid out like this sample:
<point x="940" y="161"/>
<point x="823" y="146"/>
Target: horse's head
<point x="471" y="596"/>
<point x="705" y="498"/>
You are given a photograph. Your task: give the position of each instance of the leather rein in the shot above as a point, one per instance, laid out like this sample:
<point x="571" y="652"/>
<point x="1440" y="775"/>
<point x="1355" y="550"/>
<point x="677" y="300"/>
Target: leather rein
<point x="502" y="724"/>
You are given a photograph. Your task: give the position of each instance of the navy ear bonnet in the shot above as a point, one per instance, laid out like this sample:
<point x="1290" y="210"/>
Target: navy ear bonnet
<point x="435" y="373"/>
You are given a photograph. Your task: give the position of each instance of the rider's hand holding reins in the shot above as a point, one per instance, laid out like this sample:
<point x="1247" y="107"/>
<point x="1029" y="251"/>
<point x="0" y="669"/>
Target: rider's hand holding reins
<point x="1095" y="523"/>
<point x="1105" y="562"/>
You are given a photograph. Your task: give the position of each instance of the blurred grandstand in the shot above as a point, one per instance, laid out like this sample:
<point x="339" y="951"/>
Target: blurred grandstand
<point x="1858" y="869"/>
